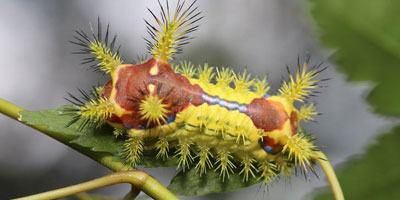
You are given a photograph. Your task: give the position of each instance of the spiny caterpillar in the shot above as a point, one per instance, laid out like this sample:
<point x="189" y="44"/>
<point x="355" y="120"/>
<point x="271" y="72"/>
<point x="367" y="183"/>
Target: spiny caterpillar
<point x="210" y="119"/>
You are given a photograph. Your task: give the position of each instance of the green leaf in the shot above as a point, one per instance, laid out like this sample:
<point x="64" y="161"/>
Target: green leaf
<point x="189" y="183"/>
<point x="374" y="176"/>
<point x="52" y="120"/>
<point x="100" y="140"/>
<point x="149" y="160"/>
<point x="366" y="35"/>
<point x="96" y="140"/>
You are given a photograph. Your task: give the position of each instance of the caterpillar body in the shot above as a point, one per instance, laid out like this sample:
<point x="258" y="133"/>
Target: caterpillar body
<point x="211" y="119"/>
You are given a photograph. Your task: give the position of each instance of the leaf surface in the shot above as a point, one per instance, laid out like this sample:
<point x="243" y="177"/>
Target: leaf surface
<point x="97" y="140"/>
<point x="189" y="183"/>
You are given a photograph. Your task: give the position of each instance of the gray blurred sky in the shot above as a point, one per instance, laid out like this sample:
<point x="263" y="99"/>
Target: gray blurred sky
<point x="38" y="69"/>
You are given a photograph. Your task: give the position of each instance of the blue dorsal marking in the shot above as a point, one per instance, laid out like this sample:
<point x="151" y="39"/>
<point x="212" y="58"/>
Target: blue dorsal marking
<point x="127" y="126"/>
<point x="266" y="95"/>
<point x="268" y="149"/>
<point x="171" y="119"/>
<point x="213" y="100"/>
<point x="223" y="103"/>
<point x="242" y="108"/>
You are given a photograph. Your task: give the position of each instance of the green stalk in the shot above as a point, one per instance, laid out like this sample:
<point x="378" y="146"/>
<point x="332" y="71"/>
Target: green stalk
<point x="10" y="109"/>
<point x="138" y="179"/>
<point x="326" y="166"/>
<point x="132" y="194"/>
<point x="144" y="182"/>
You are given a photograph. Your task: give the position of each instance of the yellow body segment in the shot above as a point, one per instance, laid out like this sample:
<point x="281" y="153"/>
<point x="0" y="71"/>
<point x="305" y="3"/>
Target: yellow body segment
<point x="219" y="128"/>
<point x="226" y="92"/>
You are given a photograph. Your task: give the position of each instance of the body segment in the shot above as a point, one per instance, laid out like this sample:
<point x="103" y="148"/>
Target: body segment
<point x="243" y="125"/>
<point x="210" y="119"/>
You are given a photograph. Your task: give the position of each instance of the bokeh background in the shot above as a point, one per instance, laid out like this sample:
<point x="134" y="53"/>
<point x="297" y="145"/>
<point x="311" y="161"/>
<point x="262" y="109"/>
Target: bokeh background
<point x="38" y="69"/>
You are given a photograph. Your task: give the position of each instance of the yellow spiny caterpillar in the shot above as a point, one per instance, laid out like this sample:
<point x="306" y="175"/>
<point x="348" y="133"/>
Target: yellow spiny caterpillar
<point x="210" y="119"/>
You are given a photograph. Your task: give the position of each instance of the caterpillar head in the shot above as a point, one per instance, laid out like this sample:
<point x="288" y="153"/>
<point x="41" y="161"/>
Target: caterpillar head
<point x="281" y="123"/>
<point x="286" y="137"/>
<point x="274" y="143"/>
<point x="282" y="135"/>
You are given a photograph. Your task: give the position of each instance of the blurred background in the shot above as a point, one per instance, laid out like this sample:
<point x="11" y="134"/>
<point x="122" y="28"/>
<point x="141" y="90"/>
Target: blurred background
<point x="38" y="70"/>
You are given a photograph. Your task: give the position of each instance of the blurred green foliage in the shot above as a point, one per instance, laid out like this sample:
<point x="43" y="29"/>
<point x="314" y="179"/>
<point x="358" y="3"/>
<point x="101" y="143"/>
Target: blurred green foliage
<point x="366" y="37"/>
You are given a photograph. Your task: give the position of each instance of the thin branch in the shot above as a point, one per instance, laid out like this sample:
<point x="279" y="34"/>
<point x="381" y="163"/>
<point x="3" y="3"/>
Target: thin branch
<point x="321" y="158"/>
<point x="139" y="180"/>
<point x="133" y="193"/>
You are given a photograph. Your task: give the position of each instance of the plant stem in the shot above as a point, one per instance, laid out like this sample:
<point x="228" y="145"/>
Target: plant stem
<point x="139" y="179"/>
<point x="10" y="109"/>
<point x="321" y="158"/>
<point x="143" y="181"/>
<point x="133" y="193"/>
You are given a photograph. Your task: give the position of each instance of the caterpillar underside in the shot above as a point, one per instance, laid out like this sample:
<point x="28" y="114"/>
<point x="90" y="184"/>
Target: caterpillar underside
<point x="209" y="119"/>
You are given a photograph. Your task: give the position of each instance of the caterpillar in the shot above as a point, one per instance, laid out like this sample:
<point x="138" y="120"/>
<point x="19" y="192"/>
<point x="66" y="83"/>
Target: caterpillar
<point x="209" y="118"/>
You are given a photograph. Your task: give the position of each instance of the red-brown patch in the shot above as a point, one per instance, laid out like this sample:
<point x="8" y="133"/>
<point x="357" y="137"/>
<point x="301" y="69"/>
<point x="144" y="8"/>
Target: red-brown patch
<point x="107" y="89"/>
<point x="106" y="93"/>
<point x="132" y="86"/>
<point x="294" y="122"/>
<point x="267" y="114"/>
<point x="114" y="119"/>
<point x="270" y="142"/>
<point x="267" y="141"/>
<point x="133" y="121"/>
